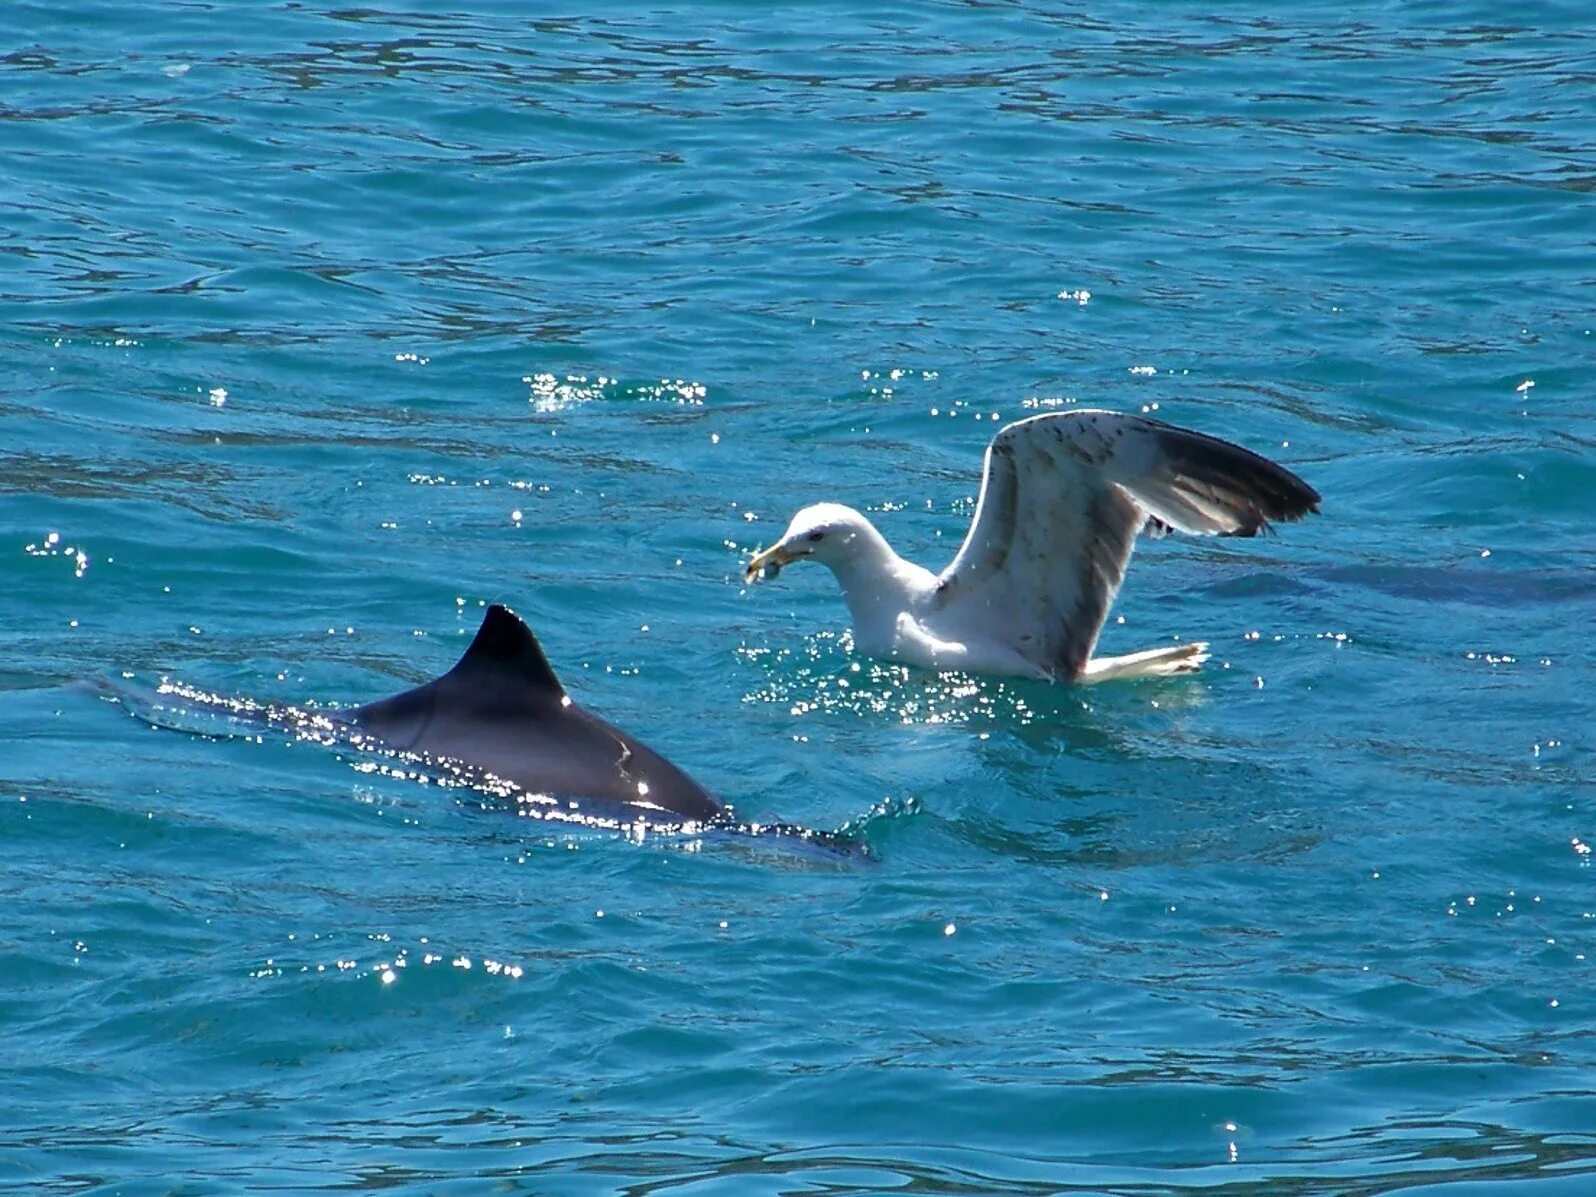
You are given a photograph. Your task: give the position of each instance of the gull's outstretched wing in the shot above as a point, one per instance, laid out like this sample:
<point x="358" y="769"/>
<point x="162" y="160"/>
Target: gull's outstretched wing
<point x="1063" y="498"/>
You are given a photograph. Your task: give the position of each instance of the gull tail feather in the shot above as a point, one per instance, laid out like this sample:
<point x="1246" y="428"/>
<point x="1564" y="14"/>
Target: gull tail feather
<point x="1153" y="662"/>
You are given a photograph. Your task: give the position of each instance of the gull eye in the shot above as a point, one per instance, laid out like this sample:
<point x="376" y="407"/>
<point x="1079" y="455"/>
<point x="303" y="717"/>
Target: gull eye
<point x="814" y="536"/>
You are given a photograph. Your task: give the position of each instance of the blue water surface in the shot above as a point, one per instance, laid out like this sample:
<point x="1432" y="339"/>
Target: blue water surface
<point x="322" y="327"/>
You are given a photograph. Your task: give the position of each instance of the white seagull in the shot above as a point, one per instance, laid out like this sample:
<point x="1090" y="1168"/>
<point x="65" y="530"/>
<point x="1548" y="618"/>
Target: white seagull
<point x="1063" y="499"/>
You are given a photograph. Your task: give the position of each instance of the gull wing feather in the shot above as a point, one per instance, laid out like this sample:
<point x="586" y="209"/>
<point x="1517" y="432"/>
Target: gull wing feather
<point x="1062" y="501"/>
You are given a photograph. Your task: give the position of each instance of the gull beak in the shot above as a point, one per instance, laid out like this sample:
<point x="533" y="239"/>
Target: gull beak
<point x="768" y="564"/>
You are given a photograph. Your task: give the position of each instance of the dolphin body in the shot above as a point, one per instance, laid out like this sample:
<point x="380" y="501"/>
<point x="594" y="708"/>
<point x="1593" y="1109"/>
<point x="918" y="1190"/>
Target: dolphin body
<point x="500" y="722"/>
<point x="502" y="712"/>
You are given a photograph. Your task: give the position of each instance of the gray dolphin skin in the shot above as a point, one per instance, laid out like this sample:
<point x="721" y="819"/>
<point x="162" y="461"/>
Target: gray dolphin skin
<point x="501" y="710"/>
<point x="500" y="722"/>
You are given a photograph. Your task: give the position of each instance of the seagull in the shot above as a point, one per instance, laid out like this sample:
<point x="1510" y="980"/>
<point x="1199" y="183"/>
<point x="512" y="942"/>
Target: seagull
<point x="1063" y="498"/>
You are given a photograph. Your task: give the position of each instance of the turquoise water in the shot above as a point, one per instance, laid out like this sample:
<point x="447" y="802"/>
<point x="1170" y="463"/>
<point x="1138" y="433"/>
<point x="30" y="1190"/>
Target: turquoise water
<point x="320" y="328"/>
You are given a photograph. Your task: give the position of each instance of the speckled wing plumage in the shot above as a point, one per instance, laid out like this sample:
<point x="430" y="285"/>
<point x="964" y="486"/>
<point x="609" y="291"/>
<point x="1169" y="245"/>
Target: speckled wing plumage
<point x="1063" y="499"/>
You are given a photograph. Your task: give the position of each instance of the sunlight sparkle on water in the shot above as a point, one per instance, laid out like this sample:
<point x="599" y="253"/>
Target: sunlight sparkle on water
<point x="51" y="546"/>
<point x="1311" y="914"/>
<point x="551" y="393"/>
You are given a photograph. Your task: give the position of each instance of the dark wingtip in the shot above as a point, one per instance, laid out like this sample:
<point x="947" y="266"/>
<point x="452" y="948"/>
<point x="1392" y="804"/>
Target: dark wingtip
<point x="1264" y="490"/>
<point x="1294" y="501"/>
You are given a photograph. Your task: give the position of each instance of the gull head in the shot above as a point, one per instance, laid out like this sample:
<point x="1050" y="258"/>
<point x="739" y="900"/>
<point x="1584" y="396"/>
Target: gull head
<point x="827" y="532"/>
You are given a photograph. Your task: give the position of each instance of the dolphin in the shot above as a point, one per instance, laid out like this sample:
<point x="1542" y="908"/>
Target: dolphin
<point x="502" y="712"/>
<point x="500" y="722"/>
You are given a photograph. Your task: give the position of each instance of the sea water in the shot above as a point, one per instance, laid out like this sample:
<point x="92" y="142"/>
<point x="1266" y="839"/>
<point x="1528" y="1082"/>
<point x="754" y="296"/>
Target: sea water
<point x="322" y="327"/>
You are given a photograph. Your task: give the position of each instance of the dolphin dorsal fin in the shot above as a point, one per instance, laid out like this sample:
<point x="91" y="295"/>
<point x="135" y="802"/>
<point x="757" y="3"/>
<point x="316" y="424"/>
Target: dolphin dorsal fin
<point x="505" y="646"/>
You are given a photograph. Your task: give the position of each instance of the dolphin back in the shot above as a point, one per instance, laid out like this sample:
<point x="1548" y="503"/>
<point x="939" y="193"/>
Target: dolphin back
<point x="502" y="710"/>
